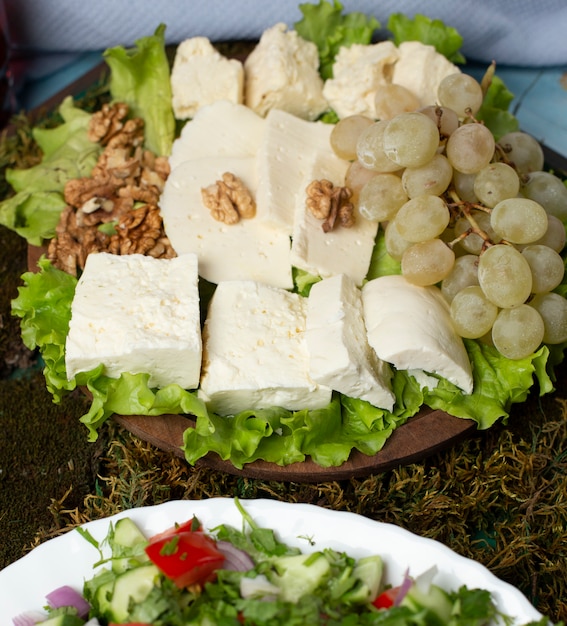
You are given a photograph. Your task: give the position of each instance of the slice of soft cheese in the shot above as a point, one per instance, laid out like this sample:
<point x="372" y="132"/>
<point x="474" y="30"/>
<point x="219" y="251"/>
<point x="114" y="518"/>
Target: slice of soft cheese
<point x="340" y="251"/>
<point x="137" y="314"/>
<point x="339" y="354"/>
<point x="246" y="250"/>
<point x="201" y="75"/>
<point x="255" y="355"/>
<point x="410" y="327"/>
<point x="219" y="129"/>
<point x="285" y="158"/>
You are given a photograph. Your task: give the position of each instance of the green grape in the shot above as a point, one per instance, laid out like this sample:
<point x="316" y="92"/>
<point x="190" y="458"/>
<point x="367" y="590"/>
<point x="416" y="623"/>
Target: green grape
<point x="522" y="151"/>
<point x="461" y="93"/>
<point x="395" y="244"/>
<point x="470" y="148"/>
<point x="472" y="312"/>
<point x="519" y="220"/>
<point x="432" y="179"/>
<point x="446" y="120"/>
<point x="555" y="235"/>
<point x="370" y="149"/>
<point x="496" y="182"/>
<point x="473" y="243"/>
<point x="464" y="186"/>
<point x="553" y="309"/>
<point x="505" y="276"/>
<point x="346" y="133"/>
<point x="548" y="190"/>
<point x="356" y="177"/>
<point x="422" y="218"/>
<point x="546" y="265"/>
<point x="518" y="332"/>
<point x="381" y="198"/>
<point x="428" y="262"/>
<point x="391" y="100"/>
<point x="410" y="139"/>
<point x="464" y="274"/>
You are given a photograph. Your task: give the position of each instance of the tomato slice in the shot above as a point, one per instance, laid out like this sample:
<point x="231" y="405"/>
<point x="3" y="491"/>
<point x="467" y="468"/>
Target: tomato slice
<point x="185" y="556"/>
<point x="386" y="599"/>
<point x="191" y="525"/>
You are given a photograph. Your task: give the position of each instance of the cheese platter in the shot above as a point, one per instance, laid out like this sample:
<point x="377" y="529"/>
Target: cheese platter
<point x="444" y="391"/>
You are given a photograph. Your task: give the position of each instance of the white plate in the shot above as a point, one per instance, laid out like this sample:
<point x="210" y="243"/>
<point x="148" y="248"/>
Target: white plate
<point x="68" y="559"/>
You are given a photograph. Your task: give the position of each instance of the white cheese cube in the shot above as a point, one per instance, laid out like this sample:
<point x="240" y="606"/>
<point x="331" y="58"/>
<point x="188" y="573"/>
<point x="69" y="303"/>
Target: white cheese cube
<point x="282" y="72"/>
<point x="246" y="250"/>
<point x="420" y="69"/>
<point x="201" y="75"/>
<point x="219" y="129"/>
<point x="410" y="327"/>
<point x="285" y="158"/>
<point x="255" y="355"/>
<point x="339" y="354"/>
<point x="358" y="72"/>
<point x="137" y="314"/>
<point x="341" y="250"/>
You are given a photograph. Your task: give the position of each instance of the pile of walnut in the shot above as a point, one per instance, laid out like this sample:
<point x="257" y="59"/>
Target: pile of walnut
<point x="123" y="191"/>
<point x="330" y="204"/>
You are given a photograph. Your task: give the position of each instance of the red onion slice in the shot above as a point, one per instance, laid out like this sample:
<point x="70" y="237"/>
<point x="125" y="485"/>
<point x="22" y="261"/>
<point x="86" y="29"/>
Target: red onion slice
<point x="67" y="596"/>
<point x="29" y="618"/>
<point x="235" y="559"/>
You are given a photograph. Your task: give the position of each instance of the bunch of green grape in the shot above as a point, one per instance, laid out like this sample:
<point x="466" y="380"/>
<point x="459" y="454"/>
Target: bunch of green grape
<point x="478" y="218"/>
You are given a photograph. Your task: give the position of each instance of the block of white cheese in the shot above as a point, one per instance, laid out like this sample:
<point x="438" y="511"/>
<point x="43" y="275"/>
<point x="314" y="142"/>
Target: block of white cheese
<point x="137" y="314"/>
<point x="219" y="129"/>
<point x="339" y="354"/>
<point x="282" y="72"/>
<point x="255" y="355"/>
<point x="201" y="75"/>
<point x="339" y="251"/>
<point x="246" y="250"/>
<point x="358" y="72"/>
<point x="285" y="158"/>
<point x="410" y="327"/>
<point x="420" y="68"/>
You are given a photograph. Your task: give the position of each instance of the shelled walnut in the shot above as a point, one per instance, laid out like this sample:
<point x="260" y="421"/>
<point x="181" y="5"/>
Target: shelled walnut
<point x="330" y="204"/>
<point x="229" y="199"/>
<point x="123" y="190"/>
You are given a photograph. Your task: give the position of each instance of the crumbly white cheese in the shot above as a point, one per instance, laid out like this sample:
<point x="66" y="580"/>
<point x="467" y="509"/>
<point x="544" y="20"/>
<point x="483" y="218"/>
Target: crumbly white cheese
<point x="137" y="314"/>
<point x="283" y="72"/>
<point x="358" y="72"/>
<point x="255" y="355"/>
<point x="340" y="251"/>
<point x="420" y="68"/>
<point x="248" y="249"/>
<point x="339" y="354"/>
<point x="285" y="158"/>
<point x="410" y="327"/>
<point x="219" y="129"/>
<point x="201" y="75"/>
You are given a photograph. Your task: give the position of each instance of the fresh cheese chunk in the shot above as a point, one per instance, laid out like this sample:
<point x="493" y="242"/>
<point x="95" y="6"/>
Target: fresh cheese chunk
<point x="255" y="354"/>
<point x="219" y="129"/>
<point x="410" y="327"/>
<point x="339" y="354"/>
<point x="246" y="250"/>
<point x="358" y="72"/>
<point x="420" y="68"/>
<point x="285" y="158"/>
<point x="282" y="72"/>
<point x="340" y="251"/>
<point x="137" y="314"/>
<point x="201" y="75"/>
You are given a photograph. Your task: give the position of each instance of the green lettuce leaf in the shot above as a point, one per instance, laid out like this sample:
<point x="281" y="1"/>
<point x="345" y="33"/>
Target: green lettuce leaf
<point x="433" y="32"/>
<point x="140" y="78"/>
<point x="381" y="263"/>
<point x="33" y="212"/>
<point x="328" y="28"/>
<point x="494" y="110"/>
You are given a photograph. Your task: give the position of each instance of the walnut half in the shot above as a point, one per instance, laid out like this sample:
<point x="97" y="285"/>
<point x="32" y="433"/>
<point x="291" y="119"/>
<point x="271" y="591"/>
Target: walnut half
<point x="229" y="199"/>
<point x="331" y="204"/>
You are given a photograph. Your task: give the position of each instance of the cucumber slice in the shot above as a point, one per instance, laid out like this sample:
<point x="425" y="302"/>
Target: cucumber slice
<point x="132" y="586"/>
<point x="127" y="536"/>
<point x="64" y="620"/>
<point x="300" y="574"/>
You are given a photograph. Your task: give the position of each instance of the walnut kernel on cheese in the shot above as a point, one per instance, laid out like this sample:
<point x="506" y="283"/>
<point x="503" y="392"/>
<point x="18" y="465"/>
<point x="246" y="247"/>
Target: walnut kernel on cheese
<point x="229" y="199"/>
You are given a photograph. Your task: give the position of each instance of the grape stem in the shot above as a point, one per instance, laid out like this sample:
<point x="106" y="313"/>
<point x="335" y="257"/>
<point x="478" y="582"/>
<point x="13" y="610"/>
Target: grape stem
<point x="462" y="208"/>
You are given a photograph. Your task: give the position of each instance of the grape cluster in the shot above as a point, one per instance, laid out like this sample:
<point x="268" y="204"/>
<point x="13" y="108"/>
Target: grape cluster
<point x="480" y="218"/>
